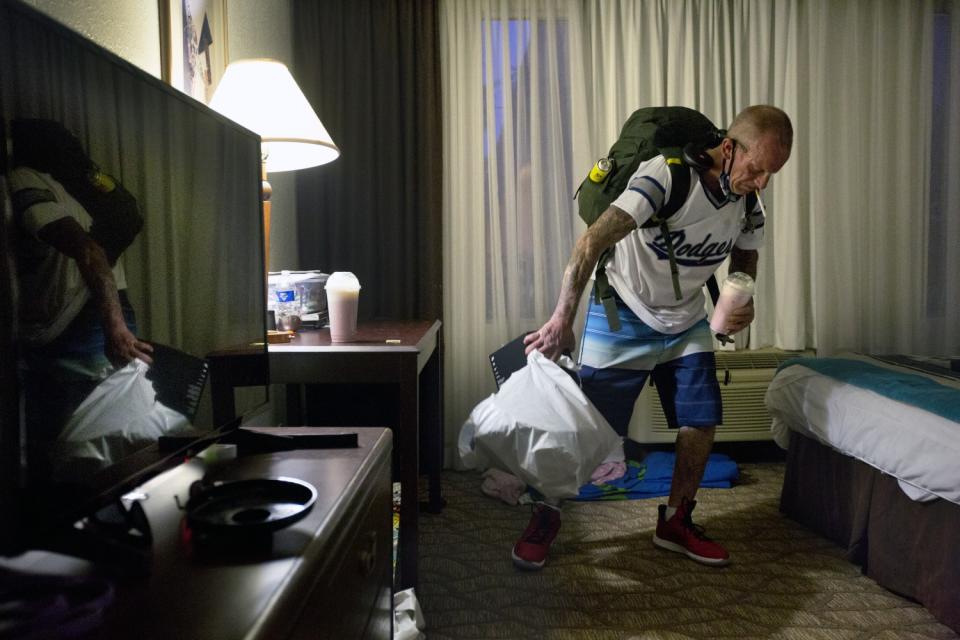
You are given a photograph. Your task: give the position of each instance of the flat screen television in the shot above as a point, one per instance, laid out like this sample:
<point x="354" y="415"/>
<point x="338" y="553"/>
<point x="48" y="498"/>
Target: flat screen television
<point x="192" y="274"/>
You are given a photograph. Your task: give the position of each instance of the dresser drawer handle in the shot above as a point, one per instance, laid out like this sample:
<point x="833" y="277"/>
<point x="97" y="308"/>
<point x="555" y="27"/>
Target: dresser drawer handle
<point x="368" y="556"/>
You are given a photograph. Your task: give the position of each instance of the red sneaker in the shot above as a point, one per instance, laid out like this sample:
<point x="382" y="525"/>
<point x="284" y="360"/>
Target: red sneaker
<point x="681" y="535"/>
<point x="531" y="549"/>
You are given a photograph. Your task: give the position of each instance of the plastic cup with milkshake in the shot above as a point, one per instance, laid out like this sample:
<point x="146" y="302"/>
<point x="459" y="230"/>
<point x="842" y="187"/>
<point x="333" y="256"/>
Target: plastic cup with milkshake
<point x="736" y="292"/>
<point x="343" y="294"/>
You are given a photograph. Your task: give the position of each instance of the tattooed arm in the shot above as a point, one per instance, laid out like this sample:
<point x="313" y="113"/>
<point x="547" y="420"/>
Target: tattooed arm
<point x="556" y="336"/>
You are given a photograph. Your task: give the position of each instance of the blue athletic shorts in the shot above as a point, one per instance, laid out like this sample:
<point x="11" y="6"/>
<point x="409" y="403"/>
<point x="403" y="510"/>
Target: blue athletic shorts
<point x="615" y="366"/>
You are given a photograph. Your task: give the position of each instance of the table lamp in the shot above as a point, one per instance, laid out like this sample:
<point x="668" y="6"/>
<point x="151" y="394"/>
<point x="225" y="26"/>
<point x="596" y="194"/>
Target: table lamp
<point x="261" y="95"/>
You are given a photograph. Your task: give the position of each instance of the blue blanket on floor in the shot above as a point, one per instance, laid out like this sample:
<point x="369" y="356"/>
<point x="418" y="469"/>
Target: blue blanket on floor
<point x="651" y="478"/>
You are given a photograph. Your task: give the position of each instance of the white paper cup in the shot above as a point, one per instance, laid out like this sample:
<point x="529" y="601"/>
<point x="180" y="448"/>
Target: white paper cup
<point x="343" y="297"/>
<point x="736" y="292"/>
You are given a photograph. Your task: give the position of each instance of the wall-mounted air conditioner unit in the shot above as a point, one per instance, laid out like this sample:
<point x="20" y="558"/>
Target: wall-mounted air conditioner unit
<point x="743" y="377"/>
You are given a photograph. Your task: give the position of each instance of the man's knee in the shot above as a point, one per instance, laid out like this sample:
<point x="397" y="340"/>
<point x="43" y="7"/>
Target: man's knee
<point x="696" y="438"/>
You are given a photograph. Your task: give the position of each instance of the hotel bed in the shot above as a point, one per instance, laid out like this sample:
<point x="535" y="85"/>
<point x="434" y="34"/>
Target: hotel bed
<point x="873" y="463"/>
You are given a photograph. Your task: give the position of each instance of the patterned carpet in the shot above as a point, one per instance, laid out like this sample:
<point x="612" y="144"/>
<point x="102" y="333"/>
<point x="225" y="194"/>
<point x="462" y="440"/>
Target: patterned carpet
<point x="605" y="579"/>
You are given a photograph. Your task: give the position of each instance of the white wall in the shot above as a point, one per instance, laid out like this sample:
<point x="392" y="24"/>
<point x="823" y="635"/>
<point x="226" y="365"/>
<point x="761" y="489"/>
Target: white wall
<point x="130" y="29"/>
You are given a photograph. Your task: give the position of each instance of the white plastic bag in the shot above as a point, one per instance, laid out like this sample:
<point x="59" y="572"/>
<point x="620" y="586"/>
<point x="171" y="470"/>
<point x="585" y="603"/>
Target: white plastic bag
<point x="121" y="415"/>
<point x="541" y="428"/>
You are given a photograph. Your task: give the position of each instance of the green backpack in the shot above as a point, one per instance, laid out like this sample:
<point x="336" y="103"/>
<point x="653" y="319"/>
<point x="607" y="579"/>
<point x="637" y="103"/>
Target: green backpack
<point x="679" y="134"/>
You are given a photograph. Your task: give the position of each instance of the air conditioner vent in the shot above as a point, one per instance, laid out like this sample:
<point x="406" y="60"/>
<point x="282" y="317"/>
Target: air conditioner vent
<point x="760" y="359"/>
<point x="743" y="377"/>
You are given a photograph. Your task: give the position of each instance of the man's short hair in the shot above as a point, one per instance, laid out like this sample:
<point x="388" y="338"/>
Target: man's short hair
<point x="759" y="119"/>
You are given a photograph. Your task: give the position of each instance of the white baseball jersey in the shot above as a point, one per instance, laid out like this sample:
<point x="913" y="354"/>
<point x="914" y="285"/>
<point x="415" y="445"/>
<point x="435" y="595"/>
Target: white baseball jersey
<point x="703" y="232"/>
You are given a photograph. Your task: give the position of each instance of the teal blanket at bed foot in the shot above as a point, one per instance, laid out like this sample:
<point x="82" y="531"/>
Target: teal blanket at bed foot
<point x="916" y="390"/>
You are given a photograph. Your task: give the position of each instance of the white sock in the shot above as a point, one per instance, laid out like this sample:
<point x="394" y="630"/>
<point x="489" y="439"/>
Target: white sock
<point x="669" y="512"/>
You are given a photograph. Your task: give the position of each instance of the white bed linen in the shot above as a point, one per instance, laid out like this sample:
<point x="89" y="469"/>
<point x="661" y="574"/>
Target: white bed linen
<point x="919" y="448"/>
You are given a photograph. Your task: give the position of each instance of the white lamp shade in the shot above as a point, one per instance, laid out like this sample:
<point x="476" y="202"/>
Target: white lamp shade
<point x="262" y="96"/>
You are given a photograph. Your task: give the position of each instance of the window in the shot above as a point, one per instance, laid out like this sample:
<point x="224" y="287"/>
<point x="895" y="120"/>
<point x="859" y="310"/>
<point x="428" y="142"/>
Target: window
<point x="528" y="152"/>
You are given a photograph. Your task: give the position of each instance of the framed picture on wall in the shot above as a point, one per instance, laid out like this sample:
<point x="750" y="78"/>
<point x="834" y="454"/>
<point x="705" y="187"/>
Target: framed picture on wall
<point x="193" y="45"/>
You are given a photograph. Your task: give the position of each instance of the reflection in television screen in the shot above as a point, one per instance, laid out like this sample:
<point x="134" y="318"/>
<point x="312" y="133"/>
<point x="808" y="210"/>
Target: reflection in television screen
<point x="137" y="250"/>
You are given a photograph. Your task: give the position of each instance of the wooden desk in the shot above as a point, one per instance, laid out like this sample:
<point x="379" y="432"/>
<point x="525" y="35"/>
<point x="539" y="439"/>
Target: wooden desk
<point x="414" y="364"/>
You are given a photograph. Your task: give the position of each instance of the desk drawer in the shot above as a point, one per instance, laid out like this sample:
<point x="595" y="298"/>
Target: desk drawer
<point x="352" y="595"/>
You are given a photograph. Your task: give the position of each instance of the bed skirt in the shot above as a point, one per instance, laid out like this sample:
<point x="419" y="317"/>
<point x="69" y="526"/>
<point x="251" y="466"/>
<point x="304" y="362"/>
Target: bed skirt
<point x="908" y="547"/>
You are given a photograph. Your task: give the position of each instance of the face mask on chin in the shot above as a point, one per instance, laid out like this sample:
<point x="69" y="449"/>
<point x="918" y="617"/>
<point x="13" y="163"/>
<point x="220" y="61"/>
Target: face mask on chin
<point x="725" y="188"/>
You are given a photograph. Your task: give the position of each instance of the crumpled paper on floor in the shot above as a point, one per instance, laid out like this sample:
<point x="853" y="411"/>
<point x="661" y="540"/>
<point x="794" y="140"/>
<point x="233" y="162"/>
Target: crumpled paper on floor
<point x="408" y="622"/>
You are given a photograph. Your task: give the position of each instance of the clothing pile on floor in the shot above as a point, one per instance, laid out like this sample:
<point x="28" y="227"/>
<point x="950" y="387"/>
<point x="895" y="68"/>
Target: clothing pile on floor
<point x="627" y="480"/>
<point x="651" y="478"/>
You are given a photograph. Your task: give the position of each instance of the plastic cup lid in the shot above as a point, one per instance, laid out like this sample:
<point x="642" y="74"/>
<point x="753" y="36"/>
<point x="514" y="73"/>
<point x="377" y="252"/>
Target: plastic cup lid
<point x="740" y="281"/>
<point x="343" y="281"/>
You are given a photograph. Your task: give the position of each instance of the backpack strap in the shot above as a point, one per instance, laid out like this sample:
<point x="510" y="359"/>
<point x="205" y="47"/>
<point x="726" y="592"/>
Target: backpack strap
<point x="679" y="190"/>
<point x="713" y="288"/>
<point x="750" y="203"/>
<point x="603" y="292"/>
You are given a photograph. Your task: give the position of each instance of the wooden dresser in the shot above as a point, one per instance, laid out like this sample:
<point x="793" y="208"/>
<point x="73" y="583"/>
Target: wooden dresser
<point x="326" y="576"/>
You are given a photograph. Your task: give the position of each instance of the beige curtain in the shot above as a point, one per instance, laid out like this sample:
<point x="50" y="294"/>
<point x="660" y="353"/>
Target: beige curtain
<point x="856" y="256"/>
